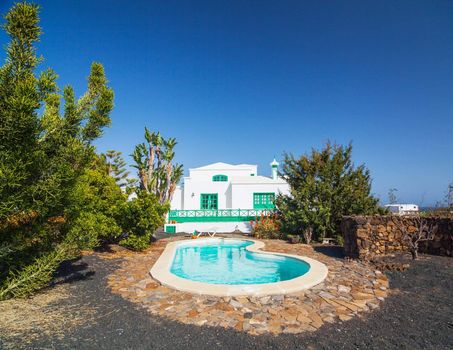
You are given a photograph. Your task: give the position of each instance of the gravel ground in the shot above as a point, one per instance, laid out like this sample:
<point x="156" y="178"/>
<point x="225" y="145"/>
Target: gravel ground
<point x="418" y="316"/>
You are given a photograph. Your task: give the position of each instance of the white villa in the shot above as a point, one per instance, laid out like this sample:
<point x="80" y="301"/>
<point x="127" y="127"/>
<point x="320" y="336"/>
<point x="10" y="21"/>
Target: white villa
<point x="224" y="198"/>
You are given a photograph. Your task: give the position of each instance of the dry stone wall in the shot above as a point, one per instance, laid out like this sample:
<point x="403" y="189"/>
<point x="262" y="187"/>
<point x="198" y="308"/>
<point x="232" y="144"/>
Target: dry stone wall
<point x="368" y="236"/>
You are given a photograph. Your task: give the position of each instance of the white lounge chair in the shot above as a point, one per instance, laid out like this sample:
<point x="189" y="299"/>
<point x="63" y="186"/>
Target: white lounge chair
<point x="211" y="232"/>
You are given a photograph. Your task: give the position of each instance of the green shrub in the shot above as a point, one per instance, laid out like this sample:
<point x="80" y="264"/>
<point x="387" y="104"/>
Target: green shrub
<point x="96" y="191"/>
<point x="137" y="243"/>
<point x="95" y="206"/>
<point x="339" y="240"/>
<point x="90" y="230"/>
<point x="139" y="218"/>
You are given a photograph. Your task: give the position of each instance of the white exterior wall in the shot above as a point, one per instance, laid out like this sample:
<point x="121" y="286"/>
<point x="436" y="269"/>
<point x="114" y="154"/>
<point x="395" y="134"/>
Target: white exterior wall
<point x="200" y="181"/>
<point x="194" y="188"/>
<point x="223" y="227"/>
<point x="177" y="200"/>
<point x="236" y="193"/>
<point x="242" y="194"/>
<point x="206" y="173"/>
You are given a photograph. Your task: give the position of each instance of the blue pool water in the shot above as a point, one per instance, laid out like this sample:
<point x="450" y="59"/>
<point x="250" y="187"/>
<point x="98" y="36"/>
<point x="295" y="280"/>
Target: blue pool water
<point x="228" y="262"/>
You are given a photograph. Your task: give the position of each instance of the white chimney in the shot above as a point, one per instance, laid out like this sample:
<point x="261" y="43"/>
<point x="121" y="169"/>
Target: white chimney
<point x="274" y="166"/>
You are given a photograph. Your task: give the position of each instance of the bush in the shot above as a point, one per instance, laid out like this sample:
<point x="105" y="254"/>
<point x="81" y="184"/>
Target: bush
<point x="139" y="219"/>
<point x="135" y="242"/>
<point x="339" y="240"/>
<point x="95" y="207"/>
<point x="324" y="186"/>
<point x="90" y="230"/>
<point x="266" y="227"/>
<point x="96" y="191"/>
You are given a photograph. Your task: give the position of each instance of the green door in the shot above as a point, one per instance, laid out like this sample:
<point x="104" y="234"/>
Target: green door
<point x="209" y="201"/>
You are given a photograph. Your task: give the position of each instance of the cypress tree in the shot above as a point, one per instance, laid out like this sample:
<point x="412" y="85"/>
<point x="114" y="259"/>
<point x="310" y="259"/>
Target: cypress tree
<point x="42" y="154"/>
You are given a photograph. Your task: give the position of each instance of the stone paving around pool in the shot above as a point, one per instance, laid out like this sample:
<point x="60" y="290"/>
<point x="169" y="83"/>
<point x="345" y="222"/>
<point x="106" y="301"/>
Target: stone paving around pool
<point x="350" y="289"/>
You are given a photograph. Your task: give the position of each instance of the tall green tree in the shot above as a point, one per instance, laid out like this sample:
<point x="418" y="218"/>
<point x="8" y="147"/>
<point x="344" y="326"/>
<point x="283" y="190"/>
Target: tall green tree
<point x="157" y="172"/>
<point x="324" y="186"/>
<point x="116" y="167"/>
<point x="42" y="155"/>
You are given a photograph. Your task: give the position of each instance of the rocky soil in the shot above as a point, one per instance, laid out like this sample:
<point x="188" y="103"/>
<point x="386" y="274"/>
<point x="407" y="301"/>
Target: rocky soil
<point x="417" y="314"/>
<point x="350" y="289"/>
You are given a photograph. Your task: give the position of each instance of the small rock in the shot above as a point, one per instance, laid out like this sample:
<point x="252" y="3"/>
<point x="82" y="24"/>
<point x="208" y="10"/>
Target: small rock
<point x="372" y="306"/>
<point x="344" y="317"/>
<point x="192" y="313"/>
<point x="254" y="322"/>
<point x="248" y="315"/>
<point x="235" y="304"/>
<point x="273" y="311"/>
<point x="326" y="295"/>
<point x="344" y="289"/>
<point x="265" y="300"/>
<point x="278" y="297"/>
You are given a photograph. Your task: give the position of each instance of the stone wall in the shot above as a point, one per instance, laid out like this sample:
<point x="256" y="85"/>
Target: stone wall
<point x="369" y="236"/>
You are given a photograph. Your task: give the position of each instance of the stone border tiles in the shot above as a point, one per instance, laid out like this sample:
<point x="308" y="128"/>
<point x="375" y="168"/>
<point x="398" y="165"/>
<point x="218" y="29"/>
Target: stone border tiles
<point x="161" y="272"/>
<point x="351" y="288"/>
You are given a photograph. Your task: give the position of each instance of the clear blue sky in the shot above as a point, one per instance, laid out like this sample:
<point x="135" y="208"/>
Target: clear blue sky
<point x="242" y="81"/>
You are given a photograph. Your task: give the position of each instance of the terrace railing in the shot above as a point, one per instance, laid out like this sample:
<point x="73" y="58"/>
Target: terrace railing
<point x="219" y="215"/>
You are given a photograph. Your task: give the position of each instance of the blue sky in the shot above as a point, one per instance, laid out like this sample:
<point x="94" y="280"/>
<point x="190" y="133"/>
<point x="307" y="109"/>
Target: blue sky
<point x="244" y="81"/>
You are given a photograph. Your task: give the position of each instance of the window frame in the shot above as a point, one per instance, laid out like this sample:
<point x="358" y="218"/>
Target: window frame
<point x="220" y="178"/>
<point x="209" y="201"/>
<point x="264" y="200"/>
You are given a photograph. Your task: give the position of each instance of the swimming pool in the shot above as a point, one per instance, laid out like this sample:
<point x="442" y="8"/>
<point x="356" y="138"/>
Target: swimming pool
<point x="228" y="262"/>
<point x="227" y="267"/>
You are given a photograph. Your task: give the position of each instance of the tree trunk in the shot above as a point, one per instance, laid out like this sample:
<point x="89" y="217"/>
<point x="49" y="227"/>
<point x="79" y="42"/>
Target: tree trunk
<point x="150" y="162"/>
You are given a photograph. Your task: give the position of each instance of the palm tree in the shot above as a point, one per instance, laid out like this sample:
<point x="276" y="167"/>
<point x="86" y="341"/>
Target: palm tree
<point x="154" y="162"/>
<point x="178" y="172"/>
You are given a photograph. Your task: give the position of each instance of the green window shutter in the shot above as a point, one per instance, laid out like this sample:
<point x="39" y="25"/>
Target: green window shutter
<point x="264" y="200"/>
<point x="209" y="201"/>
<point x="220" y="178"/>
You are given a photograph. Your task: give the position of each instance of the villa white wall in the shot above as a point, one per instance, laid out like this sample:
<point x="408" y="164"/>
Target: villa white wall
<point x="236" y="196"/>
<point x="194" y="189"/>
<point x="229" y="198"/>
<point x="236" y="193"/>
<point x="224" y="227"/>
<point x="201" y="174"/>
<point x="242" y="194"/>
<point x="177" y="200"/>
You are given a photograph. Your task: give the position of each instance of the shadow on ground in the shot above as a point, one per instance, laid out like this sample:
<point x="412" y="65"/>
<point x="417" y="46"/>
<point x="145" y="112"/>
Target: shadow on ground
<point x="72" y="271"/>
<point x="333" y="251"/>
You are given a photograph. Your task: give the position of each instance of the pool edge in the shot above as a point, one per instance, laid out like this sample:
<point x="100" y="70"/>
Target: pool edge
<point x="161" y="272"/>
